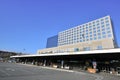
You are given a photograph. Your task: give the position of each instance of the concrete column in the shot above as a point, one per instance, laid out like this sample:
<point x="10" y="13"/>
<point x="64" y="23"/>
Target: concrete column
<point x="62" y="64"/>
<point x="94" y="64"/>
<point x="44" y="64"/>
<point x="33" y="62"/>
<point x="26" y="61"/>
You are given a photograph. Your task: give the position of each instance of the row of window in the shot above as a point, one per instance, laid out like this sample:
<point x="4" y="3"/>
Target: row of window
<point x="107" y="23"/>
<point x="83" y="36"/>
<point x="83" y="32"/>
<point x="94" y="30"/>
<point x="98" y="32"/>
<point x="99" y="47"/>
<point x="71" y="41"/>
<point x="86" y="36"/>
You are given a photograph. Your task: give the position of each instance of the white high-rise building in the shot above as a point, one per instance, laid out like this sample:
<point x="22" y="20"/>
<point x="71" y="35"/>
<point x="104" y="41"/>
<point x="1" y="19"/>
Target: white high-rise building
<point x="94" y="35"/>
<point x="94" y="30"/>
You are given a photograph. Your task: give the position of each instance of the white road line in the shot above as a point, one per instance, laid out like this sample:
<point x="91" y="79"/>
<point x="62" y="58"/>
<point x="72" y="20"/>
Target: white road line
<point x="57" y="69"/>
<point x="94" y="75"/>
<point x="50" y="68"/>
<point x="98" y="77"/>
<point x="5" y="72"/>
<point x="10" y="69"/>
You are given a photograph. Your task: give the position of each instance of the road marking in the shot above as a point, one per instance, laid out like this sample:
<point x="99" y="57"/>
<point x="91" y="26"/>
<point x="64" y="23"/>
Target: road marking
<point x="94" y="75"/>
<point x="5" y="72"/>
<point x="98" y="77"/>
<point x="57" y="69"/>
<point x="10" y="69"/>
<point x="50" y="68"/>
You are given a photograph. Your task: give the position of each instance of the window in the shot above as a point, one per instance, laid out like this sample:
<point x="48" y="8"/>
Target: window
<point x="93" y="22"/>
<point x="107" y="24"/>
<point x="102" y="22"/>
<point x="86" y="36"/>
<point x="77" y="41"/>
<point x="98" y="24"/>
<point x="76" y="49"/>
<point x="94" y="34"/>
<point x="98" y="30"/>
<point x="99" y="37"/>
<point x="90" y="35"/>
<point x="90" y="38"/>
<point x="102" y="19"/>
<point x="94" y="28"/>
<point x="109" y="35"/>
<point x="95" y="38"/>
<point x="83" y="40"/>
<point x="83" y="36"/>
<point x="90" y="32"/>
<point x="87" y="33"/>
<point x="103" y="26"/>
<point x="90" y="26"/>
<point x="86" y="49"/>
<point x="86" y="27"/>
<point x="86" y="24"/>
<point x="108" y="31"/>
<point x="106" y="18"/>
<point x="94" y="31"/>
<point x="103" y="29"/>
<point x="108" y="28"/>
<point x="107" y="21"/>
<point x="80" y="40"/>
<point x="97" y="21"/>
<point x="103" y="33"/>
<point x="86" y="30"/>
<point x="98" y="27"/>
<point x="80" y="37"/>
<point x="99" y="47"/>
<point x="89" y="23"/>
<point x="99" y="34"/>
<point x="87" y="39"/>
<point x="104" y="36"/>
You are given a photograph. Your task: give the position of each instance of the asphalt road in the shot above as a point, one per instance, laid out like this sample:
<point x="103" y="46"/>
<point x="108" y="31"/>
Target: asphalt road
<point x="11" y="71"/>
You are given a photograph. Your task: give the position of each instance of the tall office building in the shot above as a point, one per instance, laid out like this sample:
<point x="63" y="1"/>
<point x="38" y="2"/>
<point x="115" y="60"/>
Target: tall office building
<point x="94" y="35"/>
<point x="94" y="30"/>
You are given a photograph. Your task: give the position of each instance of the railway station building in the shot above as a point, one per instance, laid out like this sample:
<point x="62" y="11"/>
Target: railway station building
<point x="91" y="45"/>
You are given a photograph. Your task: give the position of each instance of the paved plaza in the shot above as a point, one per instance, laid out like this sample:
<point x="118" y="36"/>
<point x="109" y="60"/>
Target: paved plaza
<point x="13" y="71"/>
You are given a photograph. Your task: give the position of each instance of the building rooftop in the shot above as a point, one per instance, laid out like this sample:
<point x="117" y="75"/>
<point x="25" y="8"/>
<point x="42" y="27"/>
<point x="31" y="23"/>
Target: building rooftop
<point x="110" y="51"/>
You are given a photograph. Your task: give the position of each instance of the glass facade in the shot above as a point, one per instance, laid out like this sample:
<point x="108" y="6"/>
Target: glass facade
<point x="87" y="49"/>
<point x="99" y="47"/>
<point x="52" y="42"/>
<point x="94" y="30"/>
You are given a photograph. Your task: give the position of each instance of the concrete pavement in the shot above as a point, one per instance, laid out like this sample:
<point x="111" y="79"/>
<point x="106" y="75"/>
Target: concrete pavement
<point x="11" y="71"/>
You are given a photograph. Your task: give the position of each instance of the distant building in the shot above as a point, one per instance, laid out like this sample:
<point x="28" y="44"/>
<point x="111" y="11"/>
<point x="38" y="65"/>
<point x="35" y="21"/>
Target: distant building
<point x="94" y="35"/>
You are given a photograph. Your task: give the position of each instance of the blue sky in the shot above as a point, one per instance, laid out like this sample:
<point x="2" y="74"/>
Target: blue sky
<point x="26" y="24"/>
